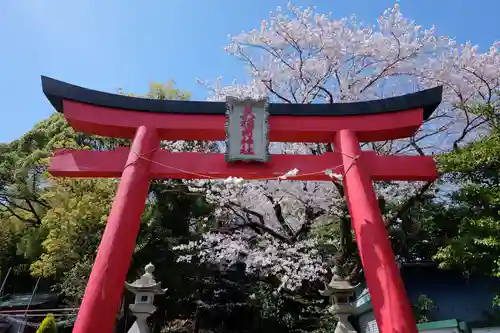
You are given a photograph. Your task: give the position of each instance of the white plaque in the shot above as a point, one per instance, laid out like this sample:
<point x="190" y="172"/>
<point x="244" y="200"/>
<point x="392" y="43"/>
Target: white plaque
<point x="247" y="130"/>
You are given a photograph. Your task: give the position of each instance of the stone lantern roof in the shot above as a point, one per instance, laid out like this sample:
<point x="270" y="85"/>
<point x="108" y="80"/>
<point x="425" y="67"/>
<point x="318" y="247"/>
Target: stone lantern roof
<point x="338" y="284"/>
<point x="146" y="283"/>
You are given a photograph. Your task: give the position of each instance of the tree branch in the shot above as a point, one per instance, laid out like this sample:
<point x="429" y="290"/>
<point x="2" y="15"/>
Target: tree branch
<point x="304" y="229"/>
<point x="19" y="217"/>
<point x="278" y="211"/>
<point x="408" y="204"/>
<point x="261" y="224"/>
<point x="33" y="211"/>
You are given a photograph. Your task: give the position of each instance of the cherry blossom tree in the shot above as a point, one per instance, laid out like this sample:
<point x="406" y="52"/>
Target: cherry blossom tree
<point x="264" y="256"/>
<point x="300" y="56"/>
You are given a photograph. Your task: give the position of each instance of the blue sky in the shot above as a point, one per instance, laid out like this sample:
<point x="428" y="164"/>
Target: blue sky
<point x="111" y="44"/>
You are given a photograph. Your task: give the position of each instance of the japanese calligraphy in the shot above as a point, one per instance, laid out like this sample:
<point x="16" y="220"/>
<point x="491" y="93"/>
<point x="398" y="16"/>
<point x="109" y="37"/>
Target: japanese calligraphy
<point x="247" y="130"/>
<point x="247" y="127"/>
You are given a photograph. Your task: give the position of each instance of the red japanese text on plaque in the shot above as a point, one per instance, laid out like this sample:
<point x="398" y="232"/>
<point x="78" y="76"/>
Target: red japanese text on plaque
<point x="247" y="127"/>
<point x="247" y="130"/>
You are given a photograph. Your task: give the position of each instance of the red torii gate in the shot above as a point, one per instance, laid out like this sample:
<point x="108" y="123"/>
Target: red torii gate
<point x="148" y="122"/>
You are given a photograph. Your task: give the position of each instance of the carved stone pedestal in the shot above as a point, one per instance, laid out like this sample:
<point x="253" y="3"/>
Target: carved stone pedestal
<point x="343" y="324"/>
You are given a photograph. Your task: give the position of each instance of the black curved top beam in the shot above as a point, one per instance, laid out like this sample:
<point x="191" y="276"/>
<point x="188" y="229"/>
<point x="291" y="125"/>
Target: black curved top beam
<point x="57" y="91"/>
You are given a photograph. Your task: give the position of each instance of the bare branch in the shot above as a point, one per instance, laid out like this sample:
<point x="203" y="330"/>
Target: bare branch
<point x="261" y="224"/>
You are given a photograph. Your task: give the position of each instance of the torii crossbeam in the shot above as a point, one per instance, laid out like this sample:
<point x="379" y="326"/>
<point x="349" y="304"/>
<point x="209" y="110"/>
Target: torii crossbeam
<point x="148" y="122"/>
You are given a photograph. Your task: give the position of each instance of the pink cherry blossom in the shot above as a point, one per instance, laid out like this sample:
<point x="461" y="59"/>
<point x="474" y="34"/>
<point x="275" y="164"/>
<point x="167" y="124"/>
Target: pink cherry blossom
<point x="300" y="56"/>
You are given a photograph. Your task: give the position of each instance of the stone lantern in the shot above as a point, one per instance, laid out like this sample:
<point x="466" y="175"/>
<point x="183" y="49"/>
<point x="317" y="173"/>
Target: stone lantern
<point x="340" y="291"/>
<point x="145" y="288"/>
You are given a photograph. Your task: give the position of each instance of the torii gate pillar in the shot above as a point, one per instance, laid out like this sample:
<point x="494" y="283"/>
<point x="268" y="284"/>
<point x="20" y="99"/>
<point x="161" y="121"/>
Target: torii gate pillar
<point x="149" y="121"/>
<point x="394" y="312"/>
<point x="118" y="241"/>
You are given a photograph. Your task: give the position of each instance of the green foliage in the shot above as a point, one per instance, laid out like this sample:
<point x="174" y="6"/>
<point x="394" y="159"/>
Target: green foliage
<point x="74" y="280"/>
<point x="326" y="324"/>
<point x="273" y="306"/>
<point x="73" y="223"/>
<point x="48" y="325"/>
<point x="10" y="236"/>
<point x="283" y="312"/>
<point x="162" y="91"/>
<point x="52" y="225"/>
<point x="475" y="161"/>
<point x="423" y="309"/>
<point x="328" y="235"/>
<point x="474" y="208"/>
<point x="167" y="92"/>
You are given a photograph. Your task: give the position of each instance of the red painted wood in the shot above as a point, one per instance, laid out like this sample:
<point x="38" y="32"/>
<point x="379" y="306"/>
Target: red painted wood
<point x="103" y="294"/>
<point x="392" y="308"/>
<point x="95" y="164"/>
<point x="99" y="120"/>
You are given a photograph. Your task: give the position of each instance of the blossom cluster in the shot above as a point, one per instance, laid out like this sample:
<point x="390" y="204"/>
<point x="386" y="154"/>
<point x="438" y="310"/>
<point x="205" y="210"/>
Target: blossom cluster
<point x="263" y="256"/>
<point x="300" y="56"/>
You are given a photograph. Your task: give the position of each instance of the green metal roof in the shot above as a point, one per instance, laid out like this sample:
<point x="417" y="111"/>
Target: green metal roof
<point x="22" y="300"/>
